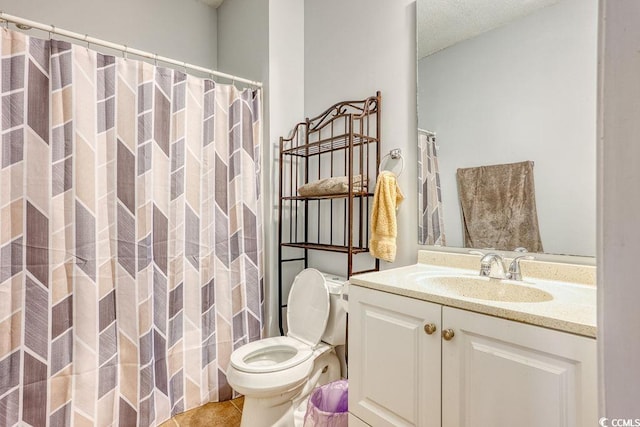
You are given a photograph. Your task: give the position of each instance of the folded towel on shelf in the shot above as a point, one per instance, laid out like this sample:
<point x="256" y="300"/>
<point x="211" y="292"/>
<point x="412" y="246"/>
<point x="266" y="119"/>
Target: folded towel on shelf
<point x="499" y="207"/>
<point x="386" y="199"/>
<point x="333" y="185"/>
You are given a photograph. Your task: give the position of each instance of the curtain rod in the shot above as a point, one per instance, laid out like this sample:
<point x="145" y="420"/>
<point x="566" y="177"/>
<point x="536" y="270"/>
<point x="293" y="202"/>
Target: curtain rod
<point x="23" y="23"/>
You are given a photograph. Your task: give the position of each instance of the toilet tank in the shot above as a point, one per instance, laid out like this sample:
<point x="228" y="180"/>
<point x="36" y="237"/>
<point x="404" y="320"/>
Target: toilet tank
<point x="336" y="331"/>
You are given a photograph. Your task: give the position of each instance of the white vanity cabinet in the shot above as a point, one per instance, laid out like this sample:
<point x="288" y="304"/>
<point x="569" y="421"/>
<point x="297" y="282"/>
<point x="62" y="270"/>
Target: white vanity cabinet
<point x="492" y="372"/>
<point x="394" y="364"/>
<point x="497" y="372"/>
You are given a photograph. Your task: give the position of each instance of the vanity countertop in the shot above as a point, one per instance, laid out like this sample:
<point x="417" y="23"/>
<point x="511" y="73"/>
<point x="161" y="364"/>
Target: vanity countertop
<point x="572" y="309"/>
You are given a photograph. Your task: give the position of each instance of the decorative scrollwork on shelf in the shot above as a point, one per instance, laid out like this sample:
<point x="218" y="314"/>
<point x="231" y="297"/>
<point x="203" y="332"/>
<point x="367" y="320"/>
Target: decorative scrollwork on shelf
<point x="359" y="108"/>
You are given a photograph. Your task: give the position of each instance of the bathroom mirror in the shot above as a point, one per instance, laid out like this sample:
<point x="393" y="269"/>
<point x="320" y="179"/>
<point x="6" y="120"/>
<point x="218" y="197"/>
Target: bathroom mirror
<point x="506" y="82"/>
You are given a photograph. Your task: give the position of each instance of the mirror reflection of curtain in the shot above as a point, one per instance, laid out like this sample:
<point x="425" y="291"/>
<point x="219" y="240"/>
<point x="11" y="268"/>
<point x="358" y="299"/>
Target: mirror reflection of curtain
<point x="130" y="239"/>
<point x="430" y="219"/>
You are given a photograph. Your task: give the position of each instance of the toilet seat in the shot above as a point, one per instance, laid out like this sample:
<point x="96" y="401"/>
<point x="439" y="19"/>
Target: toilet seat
<point x="307" y="315"/>
<point x="269" y="384"/>
<point x="270" y="355"/>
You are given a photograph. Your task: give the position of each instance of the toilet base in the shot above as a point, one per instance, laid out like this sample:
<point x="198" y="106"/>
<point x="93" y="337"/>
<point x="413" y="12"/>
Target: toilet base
<point x="278" y="411"/>
<point x="261" y="412"/>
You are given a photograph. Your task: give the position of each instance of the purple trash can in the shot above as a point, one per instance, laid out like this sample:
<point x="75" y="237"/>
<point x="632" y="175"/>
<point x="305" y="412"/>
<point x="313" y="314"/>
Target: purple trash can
<point x="328" y="406"/>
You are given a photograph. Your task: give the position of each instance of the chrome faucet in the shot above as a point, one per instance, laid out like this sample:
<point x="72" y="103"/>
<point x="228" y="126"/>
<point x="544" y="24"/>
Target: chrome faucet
<point x="514" y="268"/>
<point x="487" y="261"/>
<point x="486" y="266"/>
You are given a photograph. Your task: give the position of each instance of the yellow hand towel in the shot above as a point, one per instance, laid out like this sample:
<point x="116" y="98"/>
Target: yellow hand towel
<point x="386" y="199"/>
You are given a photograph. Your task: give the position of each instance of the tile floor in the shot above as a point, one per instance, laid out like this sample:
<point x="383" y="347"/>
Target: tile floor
<point x="222" y="414"/>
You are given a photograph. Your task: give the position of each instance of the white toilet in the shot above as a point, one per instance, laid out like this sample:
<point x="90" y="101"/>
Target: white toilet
<point x="276" y="375"/>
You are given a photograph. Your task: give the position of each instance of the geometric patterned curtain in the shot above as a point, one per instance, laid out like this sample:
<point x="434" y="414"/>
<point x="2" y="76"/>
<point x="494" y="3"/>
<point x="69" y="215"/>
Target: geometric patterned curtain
<point x="130" y="236"/>
<point x="430" y="218"/>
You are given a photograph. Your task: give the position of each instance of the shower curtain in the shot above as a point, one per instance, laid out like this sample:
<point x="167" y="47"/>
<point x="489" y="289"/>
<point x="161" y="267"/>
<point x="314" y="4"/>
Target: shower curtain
<point x="130" y="236"/>
<point x="430" y="218"/>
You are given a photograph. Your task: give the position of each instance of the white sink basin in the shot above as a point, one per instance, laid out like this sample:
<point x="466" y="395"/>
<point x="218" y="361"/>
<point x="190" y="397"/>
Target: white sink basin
<point x="488" y="289"/>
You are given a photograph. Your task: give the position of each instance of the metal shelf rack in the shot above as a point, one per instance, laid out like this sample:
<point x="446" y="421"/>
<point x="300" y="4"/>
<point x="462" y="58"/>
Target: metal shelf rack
<point x="342" y="141"/>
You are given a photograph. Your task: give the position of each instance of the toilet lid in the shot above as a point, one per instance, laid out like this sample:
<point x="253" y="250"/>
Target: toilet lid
<point x="308" y="307"/>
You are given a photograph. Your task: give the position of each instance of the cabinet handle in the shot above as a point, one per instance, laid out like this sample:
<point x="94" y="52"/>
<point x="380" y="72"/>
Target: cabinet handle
<point x="430" y="328"/>
<point x="448" y="334"/>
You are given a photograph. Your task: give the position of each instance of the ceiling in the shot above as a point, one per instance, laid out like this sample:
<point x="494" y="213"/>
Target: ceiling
<point x="442" y="23"/>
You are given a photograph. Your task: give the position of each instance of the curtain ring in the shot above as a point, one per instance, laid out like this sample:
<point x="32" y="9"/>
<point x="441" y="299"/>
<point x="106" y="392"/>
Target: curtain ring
<point x="86" y="36"/>
<point x="184" y="65"/>
<point x="51" y="31"/>
<point x="124" y="52"/>
<point x="155" y="59"/>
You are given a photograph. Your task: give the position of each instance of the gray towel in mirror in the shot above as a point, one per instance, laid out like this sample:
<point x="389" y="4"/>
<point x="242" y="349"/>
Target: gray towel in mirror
<point x="499" y="207"/>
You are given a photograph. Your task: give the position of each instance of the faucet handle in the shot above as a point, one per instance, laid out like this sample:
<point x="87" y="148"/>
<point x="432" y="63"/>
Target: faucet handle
<point x="514" y="268"/>
<point x="487" y="261"/>
<point x="485" y="268"/>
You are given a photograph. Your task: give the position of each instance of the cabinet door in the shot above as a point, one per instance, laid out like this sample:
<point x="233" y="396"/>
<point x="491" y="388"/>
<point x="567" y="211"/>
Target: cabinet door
<point x="394" y="365"/>
<point x="501" y="373"/>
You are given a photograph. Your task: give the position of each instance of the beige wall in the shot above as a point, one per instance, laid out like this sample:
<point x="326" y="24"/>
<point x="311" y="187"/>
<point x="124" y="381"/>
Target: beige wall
<point x="619" y="210"/>
<point x="352" y="49"/>
<point x="243" y="38"/>
<point x="181" y="29"/>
